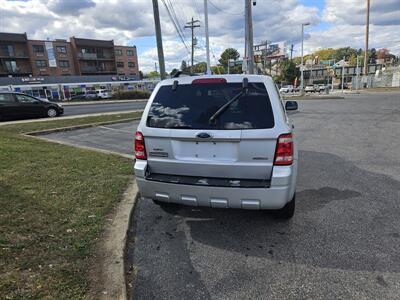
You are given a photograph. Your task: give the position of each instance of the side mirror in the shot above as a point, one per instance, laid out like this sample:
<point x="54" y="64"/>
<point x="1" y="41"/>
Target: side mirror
<point x="291" y="105"/>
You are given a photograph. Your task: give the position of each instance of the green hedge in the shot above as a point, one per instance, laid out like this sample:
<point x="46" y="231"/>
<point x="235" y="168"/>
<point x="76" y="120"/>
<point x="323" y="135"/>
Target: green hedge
<point x="136" y="94"/>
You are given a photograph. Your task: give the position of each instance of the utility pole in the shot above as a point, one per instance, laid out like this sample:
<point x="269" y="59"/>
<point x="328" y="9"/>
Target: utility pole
<point x="192" y="25"/>
<point x="208" y="70"/>
<point x="357" y="73"/>
<point x="366" y="39"/>
<point x="344" y="59"/>
<point x="249" y="51"/>
<point x="291" y="52"/>
<point x="159" y="39"/>
<point x="302" y="58"/>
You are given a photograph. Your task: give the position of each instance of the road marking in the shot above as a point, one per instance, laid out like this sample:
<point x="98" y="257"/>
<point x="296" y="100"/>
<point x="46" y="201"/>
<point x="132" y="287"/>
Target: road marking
<point x="113" y="129"/>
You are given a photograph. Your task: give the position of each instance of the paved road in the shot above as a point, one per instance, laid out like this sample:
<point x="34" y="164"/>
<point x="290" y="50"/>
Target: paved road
<point x="344" y="241"/>
<point x="70" y="110"/>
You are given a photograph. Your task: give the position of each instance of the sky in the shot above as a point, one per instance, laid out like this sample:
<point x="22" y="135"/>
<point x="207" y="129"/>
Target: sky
<point x="334" y="23"/>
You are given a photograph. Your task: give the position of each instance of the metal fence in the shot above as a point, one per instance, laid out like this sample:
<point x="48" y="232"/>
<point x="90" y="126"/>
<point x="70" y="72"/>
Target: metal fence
<point x="388" y="78"/>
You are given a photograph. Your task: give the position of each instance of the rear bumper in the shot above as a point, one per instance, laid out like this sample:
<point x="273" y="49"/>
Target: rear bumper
<point x="280" y="192"/>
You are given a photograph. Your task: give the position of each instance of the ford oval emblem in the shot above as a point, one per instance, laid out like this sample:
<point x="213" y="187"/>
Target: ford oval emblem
<point x="204" y="135"/>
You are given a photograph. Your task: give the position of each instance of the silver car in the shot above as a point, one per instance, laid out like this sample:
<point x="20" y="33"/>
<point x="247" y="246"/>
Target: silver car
<point x="218" y="141"/>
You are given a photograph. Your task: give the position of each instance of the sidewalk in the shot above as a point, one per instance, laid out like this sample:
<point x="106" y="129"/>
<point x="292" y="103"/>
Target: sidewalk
<point x="67" y="117"/>
<point x="70" y="103"/>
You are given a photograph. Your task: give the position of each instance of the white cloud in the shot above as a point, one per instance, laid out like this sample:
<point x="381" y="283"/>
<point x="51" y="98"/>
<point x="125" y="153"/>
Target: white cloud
<point x="275" y="20"/>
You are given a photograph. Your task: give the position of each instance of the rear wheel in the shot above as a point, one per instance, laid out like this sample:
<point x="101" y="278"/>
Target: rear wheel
<point x="51" y="112"/>
<point x="287" y="212"/>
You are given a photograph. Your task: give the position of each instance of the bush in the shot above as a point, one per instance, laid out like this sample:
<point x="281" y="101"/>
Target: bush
<point x="136" y="94"/>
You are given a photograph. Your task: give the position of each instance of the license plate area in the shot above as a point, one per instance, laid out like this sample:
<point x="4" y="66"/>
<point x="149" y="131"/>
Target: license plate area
<point x="210" y="150"/>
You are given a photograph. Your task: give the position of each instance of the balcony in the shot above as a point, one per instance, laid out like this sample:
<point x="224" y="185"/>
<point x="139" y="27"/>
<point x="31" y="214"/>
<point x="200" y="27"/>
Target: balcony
<point x="95" y="56"/>
<point x="97" y="70"/>
<point x="21" y="55"/>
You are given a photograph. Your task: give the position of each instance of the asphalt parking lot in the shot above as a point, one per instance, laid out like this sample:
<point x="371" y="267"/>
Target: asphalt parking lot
<point x="343" y="242"/>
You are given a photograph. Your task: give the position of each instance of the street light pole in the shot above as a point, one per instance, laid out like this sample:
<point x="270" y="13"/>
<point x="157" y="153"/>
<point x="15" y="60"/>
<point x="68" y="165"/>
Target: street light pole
<point x="366" y="39"/>
<point x="302" y="57"/>
<point x="208" y="71"/>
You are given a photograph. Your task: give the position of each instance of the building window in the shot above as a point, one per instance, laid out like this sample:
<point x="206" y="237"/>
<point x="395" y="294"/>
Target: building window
<point x="41" y="64"/>
<point x="129" y="52"/>
<point x="64" y="63"/>
<point x="38" y="48"/>
<point x="120" y="64"/>
<point x="7" y="50"/>
<point x="11" y="66"/>
<point x="131" y="64"/>
<point x="61" y="49"/>
<point x="118" y="52"/>
<point x="88" y="50"/>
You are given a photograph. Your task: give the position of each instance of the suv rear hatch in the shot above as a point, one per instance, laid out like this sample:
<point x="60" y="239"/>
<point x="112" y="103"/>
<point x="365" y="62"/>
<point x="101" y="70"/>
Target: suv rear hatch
<point x="184" y="146"/>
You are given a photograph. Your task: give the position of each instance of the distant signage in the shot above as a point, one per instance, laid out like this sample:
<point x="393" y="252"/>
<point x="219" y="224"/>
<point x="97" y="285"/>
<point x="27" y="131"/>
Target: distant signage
<point x="122" y="78"/>
<point x="32" y="79"/>
<point x="50" y="54"/>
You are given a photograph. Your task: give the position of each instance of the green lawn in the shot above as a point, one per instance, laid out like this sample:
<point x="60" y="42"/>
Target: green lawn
<point x="54" y="200"/>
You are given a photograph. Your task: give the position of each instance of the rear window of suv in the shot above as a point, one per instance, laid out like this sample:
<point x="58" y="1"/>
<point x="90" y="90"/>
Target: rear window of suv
<point x="190" y="106"/>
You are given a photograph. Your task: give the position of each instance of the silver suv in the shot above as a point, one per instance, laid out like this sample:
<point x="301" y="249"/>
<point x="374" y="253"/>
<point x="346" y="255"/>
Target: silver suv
<point x="218" y="141"/>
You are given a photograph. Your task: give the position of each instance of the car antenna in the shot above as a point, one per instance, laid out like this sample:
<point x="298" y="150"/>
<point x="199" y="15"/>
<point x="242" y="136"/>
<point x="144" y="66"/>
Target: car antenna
<point x="175" y="85"/>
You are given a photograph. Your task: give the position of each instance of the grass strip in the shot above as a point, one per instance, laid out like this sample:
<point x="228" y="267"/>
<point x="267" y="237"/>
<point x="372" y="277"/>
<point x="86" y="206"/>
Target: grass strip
<point x="54" y="203"/>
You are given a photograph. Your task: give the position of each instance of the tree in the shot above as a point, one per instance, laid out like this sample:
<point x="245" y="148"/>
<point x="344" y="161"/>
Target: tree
<point x="173" y="72"/>
<point x="151" y="74"/>
<point x="218" y="70"/>
<point x="200" y="67"/>
<point x="183" y="66"/>
<point x="141" y="75"/>
<point x="229" y="53"/>
<point x="289" y="72"/>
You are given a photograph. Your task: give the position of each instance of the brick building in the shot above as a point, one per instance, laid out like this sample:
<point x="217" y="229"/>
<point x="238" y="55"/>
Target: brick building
<point x="22" y="57"/>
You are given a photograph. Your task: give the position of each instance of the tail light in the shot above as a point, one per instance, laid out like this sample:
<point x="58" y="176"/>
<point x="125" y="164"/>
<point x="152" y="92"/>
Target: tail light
<point x="140" y="149"/>
<point x="284" y="150"/>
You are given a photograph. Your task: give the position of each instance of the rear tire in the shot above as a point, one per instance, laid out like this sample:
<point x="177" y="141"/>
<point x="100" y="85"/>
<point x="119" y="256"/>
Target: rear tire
<point x="287" y="212"/>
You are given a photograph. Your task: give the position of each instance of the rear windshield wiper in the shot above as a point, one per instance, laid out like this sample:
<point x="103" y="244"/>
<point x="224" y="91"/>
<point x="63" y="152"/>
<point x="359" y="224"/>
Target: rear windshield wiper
<point x="224" y="107"/>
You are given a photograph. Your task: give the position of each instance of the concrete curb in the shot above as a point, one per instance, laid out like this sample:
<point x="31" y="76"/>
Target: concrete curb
<point x="68" y="117"/>
<point x="100" y="102"/>
<point x="36" y="135"/>
<point x="113" y="242"/>
<point x="295" y="98"/>
<point x="75" y="127"/>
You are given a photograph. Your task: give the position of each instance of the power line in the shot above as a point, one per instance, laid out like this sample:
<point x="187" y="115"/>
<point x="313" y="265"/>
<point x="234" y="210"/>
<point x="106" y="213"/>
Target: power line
<point x="175" y="25"/>
<point x="224" y="11"/>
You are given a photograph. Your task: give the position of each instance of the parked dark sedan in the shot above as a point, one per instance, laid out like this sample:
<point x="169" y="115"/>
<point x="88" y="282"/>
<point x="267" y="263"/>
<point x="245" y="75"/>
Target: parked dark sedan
<point x="19" y="106"/>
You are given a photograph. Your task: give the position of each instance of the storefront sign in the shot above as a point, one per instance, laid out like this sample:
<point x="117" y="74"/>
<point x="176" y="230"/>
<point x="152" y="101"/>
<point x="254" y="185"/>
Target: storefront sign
<point x="50" y="54"/>
<point x="32" y="79"/>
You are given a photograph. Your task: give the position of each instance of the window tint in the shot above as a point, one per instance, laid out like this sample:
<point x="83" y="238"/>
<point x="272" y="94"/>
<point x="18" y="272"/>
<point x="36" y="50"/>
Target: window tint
<point x="25" y="99"/>
<point x="191" y="106"/>
<point x="6" y="98"/>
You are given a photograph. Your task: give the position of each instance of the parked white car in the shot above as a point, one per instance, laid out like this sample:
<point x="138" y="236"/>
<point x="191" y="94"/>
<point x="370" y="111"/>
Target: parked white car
<point x="221" y="141"/>
<point x="310" y="89"/>
<point x="103" y="94"/>
<point x="287" y="89"/>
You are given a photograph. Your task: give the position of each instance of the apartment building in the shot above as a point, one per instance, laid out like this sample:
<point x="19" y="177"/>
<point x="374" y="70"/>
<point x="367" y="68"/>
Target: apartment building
<point x="126" y="60"/>
<point x="51" y="58"/>
<point x="20" y="57"/>
<point x="14" y="55"/>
